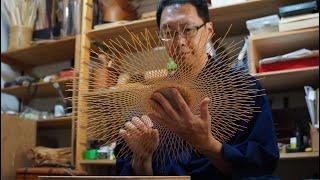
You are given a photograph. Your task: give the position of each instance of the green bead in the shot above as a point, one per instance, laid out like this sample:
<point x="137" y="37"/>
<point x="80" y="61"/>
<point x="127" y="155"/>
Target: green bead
<point x="171" y="65"/>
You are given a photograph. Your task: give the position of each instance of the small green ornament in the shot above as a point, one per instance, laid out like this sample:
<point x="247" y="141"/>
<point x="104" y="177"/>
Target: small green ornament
<point x="91" y="154"/>
<point x="171" y="65"/>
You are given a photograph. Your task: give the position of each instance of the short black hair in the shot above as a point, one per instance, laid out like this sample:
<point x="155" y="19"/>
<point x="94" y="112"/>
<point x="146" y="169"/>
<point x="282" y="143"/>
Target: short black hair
<point x="200" y="5"/>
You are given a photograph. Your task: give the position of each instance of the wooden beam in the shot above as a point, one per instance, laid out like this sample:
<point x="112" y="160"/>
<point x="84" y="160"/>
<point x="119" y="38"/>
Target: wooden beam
<point x="81" y="131"/>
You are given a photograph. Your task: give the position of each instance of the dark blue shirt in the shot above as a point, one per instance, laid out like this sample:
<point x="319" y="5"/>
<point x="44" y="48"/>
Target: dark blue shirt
<point x="253" y="153"/>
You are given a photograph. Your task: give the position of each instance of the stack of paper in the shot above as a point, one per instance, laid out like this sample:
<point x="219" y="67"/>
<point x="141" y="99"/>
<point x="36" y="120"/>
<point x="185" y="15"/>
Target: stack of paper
<point x="312" y="100"/>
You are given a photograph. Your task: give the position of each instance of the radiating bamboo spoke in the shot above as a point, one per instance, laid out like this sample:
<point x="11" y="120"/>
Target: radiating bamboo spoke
<point x="112" y="101"/>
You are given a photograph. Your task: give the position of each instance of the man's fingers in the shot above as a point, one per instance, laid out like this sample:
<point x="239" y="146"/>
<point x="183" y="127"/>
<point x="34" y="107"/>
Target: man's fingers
<point x="204" y="109"/>
<point x="166" y="106"/>
<point x="156" y="134"/>
<point x="183" y="106"/>
<point x="158" y="110"/>
<point x="147" y="121"/>
<point x="130" y="128"/>
<point x="139" y="124"/>
<point x="156" y="118"/>
<point x="124" y="134"/>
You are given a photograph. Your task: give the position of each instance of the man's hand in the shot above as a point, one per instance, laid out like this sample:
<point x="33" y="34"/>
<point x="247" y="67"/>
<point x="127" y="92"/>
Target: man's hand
<point x="195" y="129"/>
<point x="143" y="140"/>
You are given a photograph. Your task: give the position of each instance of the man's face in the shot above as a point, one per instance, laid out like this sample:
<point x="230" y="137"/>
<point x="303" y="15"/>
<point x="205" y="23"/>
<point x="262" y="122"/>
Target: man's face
<point x="187" y="33"/>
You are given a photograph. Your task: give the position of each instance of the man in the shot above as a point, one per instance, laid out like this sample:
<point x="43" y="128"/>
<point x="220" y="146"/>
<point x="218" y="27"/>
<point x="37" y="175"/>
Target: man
<point x="252" y="153"/>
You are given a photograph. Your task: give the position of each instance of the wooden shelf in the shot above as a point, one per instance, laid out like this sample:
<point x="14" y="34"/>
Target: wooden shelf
<point x="274" y="44"/>
<point x="112" y="31"/>
<point x="282" y="156"/>
<point x="40" y="54"/>
<point x="289" y="79"/>
<point x="43" y="89"/>
<point x="98" y="162"/>
<point x="60" y="122"/>
<point x="299" y="155"/>
<point x="284" y="35"/>
<point x="238" y="14"/>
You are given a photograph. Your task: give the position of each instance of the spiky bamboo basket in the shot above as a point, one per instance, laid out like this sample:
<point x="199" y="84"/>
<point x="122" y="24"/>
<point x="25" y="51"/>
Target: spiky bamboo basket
<point x="110" y="105"/>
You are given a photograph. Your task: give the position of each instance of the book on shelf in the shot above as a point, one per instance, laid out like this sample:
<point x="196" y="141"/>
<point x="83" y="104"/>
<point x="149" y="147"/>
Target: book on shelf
<point x="312" y="101"/>
<point x="298" y="9"/>
<point x="317" y="108"/>
<point x="299" y="22"/>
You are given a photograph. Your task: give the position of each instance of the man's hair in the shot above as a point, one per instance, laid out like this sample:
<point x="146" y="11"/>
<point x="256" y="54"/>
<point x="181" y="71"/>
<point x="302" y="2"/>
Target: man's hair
<point x="200" y="5"/>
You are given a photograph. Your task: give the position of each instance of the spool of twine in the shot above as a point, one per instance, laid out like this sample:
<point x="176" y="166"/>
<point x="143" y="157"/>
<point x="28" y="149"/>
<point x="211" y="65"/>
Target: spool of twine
<point x="19" y="37"/>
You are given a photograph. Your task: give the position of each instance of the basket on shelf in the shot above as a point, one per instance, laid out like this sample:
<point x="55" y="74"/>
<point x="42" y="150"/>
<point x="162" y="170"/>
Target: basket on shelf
<point x="19" y="37"/>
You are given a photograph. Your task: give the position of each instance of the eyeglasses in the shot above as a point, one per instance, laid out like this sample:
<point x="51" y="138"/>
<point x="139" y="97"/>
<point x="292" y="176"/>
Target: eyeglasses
<point x="188" y="32"/>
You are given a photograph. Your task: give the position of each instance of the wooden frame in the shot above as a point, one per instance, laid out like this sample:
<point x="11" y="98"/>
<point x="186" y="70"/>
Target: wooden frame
<point x="81" y="133"/>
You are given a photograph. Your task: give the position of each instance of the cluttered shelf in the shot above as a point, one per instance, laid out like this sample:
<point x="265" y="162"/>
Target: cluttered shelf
<point x="289" y="79"/>
<point x="39" y="90"/>
<point x="98" y="162"/>
<point x="278" y="43"/>
<point x="46" y="52"/>
<point x="238" y="13"/>
<point x="285" y="60"/>
<point x="58" y="122"/>
<point x="299" y="155"/>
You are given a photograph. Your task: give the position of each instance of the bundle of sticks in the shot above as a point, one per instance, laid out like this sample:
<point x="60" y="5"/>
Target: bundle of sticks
<point x="42" y="20"/>
<point x="21" y="12"/>
<point x="50" y="156"/>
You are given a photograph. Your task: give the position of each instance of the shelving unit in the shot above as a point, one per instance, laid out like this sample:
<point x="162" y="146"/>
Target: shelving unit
<point x="273" y="44"/>
<point x="291" y="79"/>
<point x="236" y="15"/>
<point x="60" y="122"/>
<point x="46" y="53"/>
<point x="43" y="53"/>
<point x="98" y="162"/>
<point x="40" y="90"/>
<point x="300" y="155"/>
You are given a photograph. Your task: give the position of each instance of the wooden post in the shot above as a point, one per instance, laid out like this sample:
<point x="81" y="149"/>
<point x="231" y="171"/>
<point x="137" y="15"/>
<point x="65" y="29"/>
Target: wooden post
<point x="81" y="130"/>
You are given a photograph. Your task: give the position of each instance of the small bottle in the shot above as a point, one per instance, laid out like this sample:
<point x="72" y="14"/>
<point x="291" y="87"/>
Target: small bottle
<point x="298" y="137"/>
<point x="293" y="142"/>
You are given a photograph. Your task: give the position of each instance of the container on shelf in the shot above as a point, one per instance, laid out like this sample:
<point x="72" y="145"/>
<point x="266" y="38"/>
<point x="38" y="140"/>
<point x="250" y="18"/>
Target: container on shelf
<point x="19" y="37"/>
<point x="263" y="25"/>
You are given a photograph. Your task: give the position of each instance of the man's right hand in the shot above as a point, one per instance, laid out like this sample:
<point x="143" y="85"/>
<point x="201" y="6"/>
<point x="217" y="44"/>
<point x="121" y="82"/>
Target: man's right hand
<point x="142" y="140"/>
